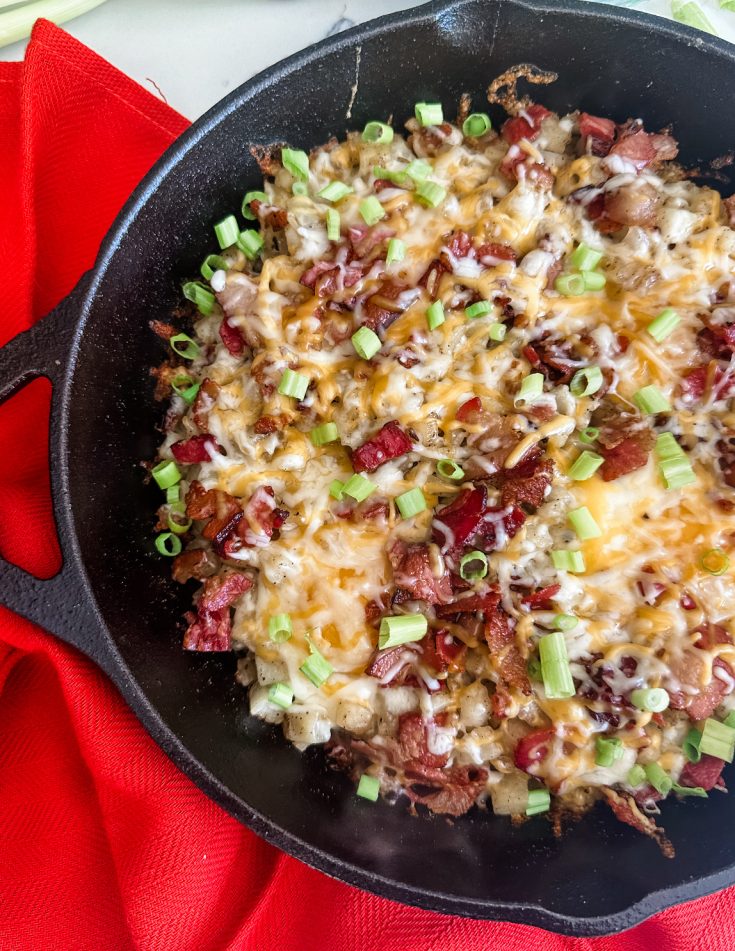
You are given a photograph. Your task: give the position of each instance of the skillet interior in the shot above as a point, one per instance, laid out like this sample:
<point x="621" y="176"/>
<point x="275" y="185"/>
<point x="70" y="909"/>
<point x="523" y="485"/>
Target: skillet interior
<point x="601" y="876"/>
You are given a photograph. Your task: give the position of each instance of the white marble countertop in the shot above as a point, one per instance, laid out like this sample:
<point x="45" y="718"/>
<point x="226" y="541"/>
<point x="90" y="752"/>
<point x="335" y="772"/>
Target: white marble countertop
<point x="193" y="52"/>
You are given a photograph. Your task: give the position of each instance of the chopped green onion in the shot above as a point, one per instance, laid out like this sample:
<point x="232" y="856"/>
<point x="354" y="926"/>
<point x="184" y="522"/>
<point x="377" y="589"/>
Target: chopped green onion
<point x="586" y="382"/>
<point x="532" y="387"/>
<point x="323" y="434"/>
<point x="727" y="4"/>
<point x="691" y="14"/>
<point x="690" y="746"/>
<point x="371" y="210"/>
<point x="178" y="528"/>
<point x="476" y="124"/>
<point x="168" y="544"/>
<point x="429" y="113"/>
<point x="585" y="466"/>
<point x="280" y="628"/>
<point x="333" y="224"/>
<point x="411" y="503"/>
<point x="660" y="780"/>
<point x="570" y="285"/>
<point x="478" y="309"/>
<point x="184" y="346"/>
<point x="564" y="622"/>
<point x="334" y="191"/>
<point x="377" y="132"/>
<point x="430" y="194"/>
<point x="173" y="495"/>
<point x="316" y="667"/>
<point x="299" y="188"/>
<point x="200" y="295"/>
<point x="336" y="489"/>
<point x="533" y="668"/>
<point x="401" y="629"/>
<point x="636" y="776"/>
<point x="730" y="719"/>
<point x="565" y="560"/>
<point x="585" y="258"/>
<point x="450" y="470"/>
<point x="366" y="343"/>
<point x="714" y="561"/>
<point x="593" y="280"/>
<point x="584" y="524"/>
<point x="396" y="251"/>
<point x="166" y="474"/>
<point x="607" y="750"/>
<point x="246" y="210"/>
<point x="293" y="384"/>
<point x="281" y="695"/>
<point x="435" y="315"/>
<point x="358" y="487"/>
<point x="226" y="231"/>
<point x="689" y="791"/>
<point x="398" y="178"/>
<point x="664" y="324"/>
<point x="498" y="332"/>
<point x="250" y="242"/>
<point x="418" y="170"/>
<point x="296" y="162"/>
<point x="718" y="739"/>
<point x="466" y="569"/>
<point x="650" y="699"/>
<point x="667" y="447"/>
<point x="555" y="670"/>
<point x="539" y="800"/>
<point x="650" y="400"/>
<point x="677" y="472"/>
<point x="368" y="787"/>
<point x="212" y="263"/>
<point x="589" y="435"/>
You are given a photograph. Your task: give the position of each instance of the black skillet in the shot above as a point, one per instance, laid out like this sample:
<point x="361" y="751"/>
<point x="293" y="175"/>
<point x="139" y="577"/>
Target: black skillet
<point x="114" y="599"/>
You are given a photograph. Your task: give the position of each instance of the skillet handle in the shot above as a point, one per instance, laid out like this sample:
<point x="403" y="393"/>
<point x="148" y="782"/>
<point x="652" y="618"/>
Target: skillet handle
<point x="61" y="604"/>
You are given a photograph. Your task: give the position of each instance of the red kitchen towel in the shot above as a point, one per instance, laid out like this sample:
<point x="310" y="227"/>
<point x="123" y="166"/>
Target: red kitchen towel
<point x="105" y="846"/>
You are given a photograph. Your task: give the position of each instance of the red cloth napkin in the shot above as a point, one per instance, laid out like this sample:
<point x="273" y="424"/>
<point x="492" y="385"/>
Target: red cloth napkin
<point x="105" y="845"/>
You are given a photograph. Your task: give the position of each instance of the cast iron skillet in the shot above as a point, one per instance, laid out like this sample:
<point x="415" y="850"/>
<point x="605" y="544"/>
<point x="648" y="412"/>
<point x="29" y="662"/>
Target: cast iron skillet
<point x="113" y="598"/>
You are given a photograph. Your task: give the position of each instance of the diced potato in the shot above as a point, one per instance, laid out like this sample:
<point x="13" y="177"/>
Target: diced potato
<point x="246" y="670"/>
<point x="510" y="795"/>
<point x="474" y="705"/>
<point x="306" y="727"/>
<point x="354" y="717"/>
<point x="261" y="707"/>
<point x="270" y="671"/>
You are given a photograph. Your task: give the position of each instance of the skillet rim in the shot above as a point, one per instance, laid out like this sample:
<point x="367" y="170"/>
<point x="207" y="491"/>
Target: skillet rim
<point x="520" y="912"/>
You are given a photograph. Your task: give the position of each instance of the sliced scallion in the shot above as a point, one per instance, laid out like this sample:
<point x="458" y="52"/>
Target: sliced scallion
<point x="650" y="699"/>
<point x="366" y="343"/>
<point x="247" y="211"/>
<point x="281" y="695"/>
<point x="368" y="787"/>
<point x="476" y="124"/>
<point x="401" y="629"/>
<point x="418" y="170"/>
<point x="585" y="382"/>
<point x="429" y="113"/>
<point x="358" y="487"/>
<point x="334" y="191"/>
<point x="326" y="433"/>
<point x="589" y="435"/>
<point x="168" y="544"/>
<point x="333" y="224"/>
<point x="226" y="231"/>
<point x="293" y="384"/>
<point x="690" y="746"/>
<point x="184" y="346"/>
<point x="473" y="566"/>
<point x="336" y="489"/>
<point x="435" y="315"/>
<point x="430" y="194"/>
<point x="539" y="800"/>
<point x="714" y="561"/>
<point x="178" y="528"/>
<point x="689" y="791"/>
<point x="555" y="670"/>
<point x="299" y="188"/>
<point x="173" y="494"/>
<point x="651" y="401"/>
<point x="371" y="210"/>
<point x="280" y="628"/>
<point x="200" y="295"/>
<point x="411" y="503"/>
<point x="396" y="251"/>
<point x="479" y="309"/>
<point x="166" y="474"/>
<point x="566" y="560"/>
<point x="498" y="332"/>
<point x="663" y="325"/>
<point x="718" y="739"/>
<point x="398" y="178"/>
<point x="377" y="132"/>
<point x="564" y="622"/>
<point x="532" y="387"/>
<point x="585" y="466"/>
<point x="593" y="280"/>
<point x="449" y="469"/>
<point x="296" y="162"/>
<point x="660" y="780"/>
<point x="584" y="524"/>
<point x="212" y="263"/>
<point x="316" y="667"/>
<point x="250" y="242"/>
<point x="585" y="258"/>
<point x="570" y="285"/>
<point x="607" y="750"/>
<point x="636" y="776"/>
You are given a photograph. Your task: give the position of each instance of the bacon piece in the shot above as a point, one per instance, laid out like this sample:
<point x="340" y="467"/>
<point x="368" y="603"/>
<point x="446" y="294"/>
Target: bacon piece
<point x="627" y="456"/>
<point x="196" y="563"/>
<point x="383" y="307"/>
<point x="627" y="811"/>
<point x="261" y="518"/>
<point x="469" y="604"/>
<point x="541" y="600"/>
<point x="532" y="748"/>
<point x="469" y="410"/>
<point x="524" y="126"/>
<point x="552" y="358"/>
<point x="450" y="792"/>
<point x="414" y="742"/>
<point x="642" y="148"/>
<point x="205" y="400"/>
<point x="270" y="215"/>
<point x="705" y="701"/>
<point x="456" y="523"/>
<point x="706" y="773"/>
<point x="162" y="329"/>
<point x="506" y="658"/>
<point x="487" y="533"/>
<point x="633" y="204"/>
<point x="398" y="660"/>
<point x="232" y="337"/>
<point x="717" y="341"/>
<point x="195" y="449"/>
<point x="271" y="424"/>
<point x="597" y="133"/>
<point x="430" y="140"/>
<point x="527" y="483"/>
<point x="413" y="575"/>
<point x="490" y="254"/>
<point x="209" y="629"/>
<point x="364" y="239"/>
<point x="388" y="443"/>
<point x="442" y="651"/>
<point x="326" y="277"/>
<point x="707" y="378"/>
<point x="459" y="245"/>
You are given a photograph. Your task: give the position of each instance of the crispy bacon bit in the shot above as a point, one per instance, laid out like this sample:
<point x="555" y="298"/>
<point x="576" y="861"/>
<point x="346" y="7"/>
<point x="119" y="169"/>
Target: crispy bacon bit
<point x="270" y="215"/>
<point x="165" y="375"/>
<point x="196" y="563"/>
<point x="527" y="483"/>
<point x="443" y="652"/>
<point x="414" y="742"/>
<point x="627" y="811"/>
<point x="205" y="400"/>
<point x="459" y="245"/>
<point x="162" y="329"/>
<point x="385" y="306"/>
<point x="262" y="517"/>
<point x="271" y="424"/>
<point x="707" y="773"/>
<point x="413" y="575"/>
<point x="710" y="379"/>
<point x="326" y="277"/>
<point x="388" y="443"/>
<point x="643" y="148"/>
<point x="532" y="749"/>
<point x="541" y="600"/>
<point x="633" y="204"/>
<point x="397" y="661"/>
<point x="232" y="337"/>
<point x="625" y="440"/>
<point x="469" y="410"/>
<point x="527" y="125"/>
<point x="491" y="254"/>
<point x="209" y="629"/>
<point x="494" y="530"/>
<point x="195" y="449"/>
<point x="450" y="792"/>
<point x="506" y="658"/>
<point x="627" y="456"/>
<point x="471" y="603"/>
<point x="705" y="701"/>
<point x="456" y="523"/>
<point x="687" y="602"/>
<point x="553" y="358"/>
<point x="597" y="133"/>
